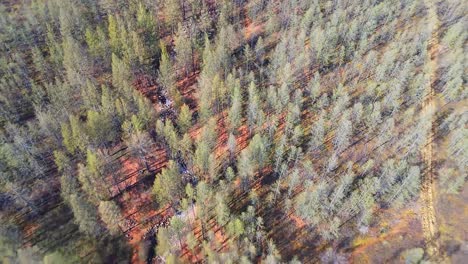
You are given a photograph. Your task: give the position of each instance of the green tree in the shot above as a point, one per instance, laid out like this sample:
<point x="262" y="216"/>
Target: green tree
<point x="260" y="50"/>
<point x="171" y="137"/>
<point x="74" y="136"/>
<point x="201" y="158"/>
<point x="85" y="215"/>
<point x="174" y="13"/>
<point x="246" y="166"/>
<point x="97" y="43"/>
<point x="235" y="227"/>
<point x="343" y="133"/>
<point x="163" y="247"/>
<point x="235" y="112"/>
<point x="121" y="74"/>
<point x="41" y="65"/>
<point x="58" y="257"/>
<point x="166" y="72"/>
<point x="167" y="76"/>
<point x="75" y="62"/>
<point x="176" y="226"/>
<point x="68" y="186"/>
<point x="232" y="146"/>
<point x="62" y="161"/>
<point x="92" y="182"/>
<point x="186" y="149"/>
<point x="184" y="120"/>
<point x="113" y="29"/>
<point x="91" y="96"/>
<point x="314" y="87"/>
<point x="100" y="128"/>
<point x="408" y="188"/>
<point x="168" y="186"/>
<point x="254" y="107"/>
<point x="184" y="49"/>
<point x="222" y="210"/>
<point x="110" y="215"/>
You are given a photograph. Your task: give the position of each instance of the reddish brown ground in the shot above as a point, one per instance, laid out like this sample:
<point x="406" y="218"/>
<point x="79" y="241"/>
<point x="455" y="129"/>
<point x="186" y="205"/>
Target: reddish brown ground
<point x="383" y="243"/>
<point x="298" y="221"/>
<point x="219" y="242"/>
<point x="133" y="194"/>
<point x="452" y="212"/>
<point x="252" y="30"/>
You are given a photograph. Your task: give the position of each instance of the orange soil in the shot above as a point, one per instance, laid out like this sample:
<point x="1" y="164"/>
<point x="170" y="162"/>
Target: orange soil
<point x="252" y="30"/>
<point x="298" y="221"/>
<point x="137" y="233"/>
<point x="401" y="226"/>
<point x="137" y="205"/>
<point x="220" y="239"/>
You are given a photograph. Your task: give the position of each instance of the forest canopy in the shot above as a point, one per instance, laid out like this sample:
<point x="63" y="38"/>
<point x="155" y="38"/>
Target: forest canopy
<point x="245" y="131"/>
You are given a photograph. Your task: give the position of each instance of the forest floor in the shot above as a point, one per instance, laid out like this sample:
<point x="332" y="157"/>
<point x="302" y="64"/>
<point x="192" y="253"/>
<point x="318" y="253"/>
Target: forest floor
<point x="383" y="243"/>
<point x="133" y="193"/>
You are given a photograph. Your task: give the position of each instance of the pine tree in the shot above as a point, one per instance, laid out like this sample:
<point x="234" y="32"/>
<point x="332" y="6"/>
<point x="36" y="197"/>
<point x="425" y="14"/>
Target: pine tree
<point x="186" y="149"/>
<point x="232" y="146"/>
<point x="209" y="134"/>
<point x="90" y="95"/>
<point x="246" y="166"/>
<point x="248" y="57"/>
<point x="170" y="137"/>
<point x="201" y="158"/>
<point x="113" y="29"/>
<point x="177" y="226"/>
<point x="203" y="196"/>
<point x="318" y="134"/>
<point x="260" y="51"/>
<point x="41" y="65"/>
<point x="273" y="255"/>
<point x="184" y="121"/>
<point x="343" y="133"/>
<point x="314" y="87"/>
<point x="62" y="161"/>
<point x="167" y="77"/>
<point x="163" y="247"/>
<point x="110" y="215"/>
<point x="121" y="75"/>
<point x="168" y="186"/>
<point x="222" y="210"/>
<point x="166" y="70"/>
<point x="184" y="49"/>
<point x="173" y="12"/>
<point x="85" y="215"/>
<point x="98" y="45"/>
<point x="99" y="128"/>
<point x="68" y="140"/>
<point x="68" y="185"/>
<point x="254" y="108"/>
<point x="146" y="113"/>
<point x="142" y="55"/>
<point x="92" y="179"/>
<point x="235" y="112"/>
<point x="75" y="62"/>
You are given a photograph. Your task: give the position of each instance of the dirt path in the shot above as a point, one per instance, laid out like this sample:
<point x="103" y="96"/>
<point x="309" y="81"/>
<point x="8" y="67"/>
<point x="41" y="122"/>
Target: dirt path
<point x="428" y="217"/>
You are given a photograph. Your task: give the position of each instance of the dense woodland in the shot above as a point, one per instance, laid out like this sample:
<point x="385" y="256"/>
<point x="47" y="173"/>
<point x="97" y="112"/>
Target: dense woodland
<point x="218" y="131"/>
